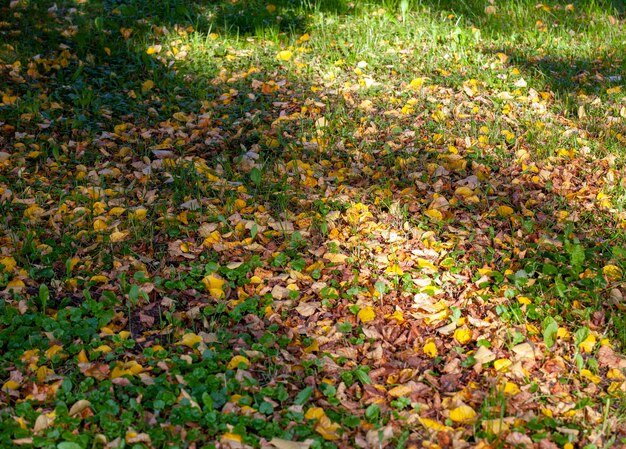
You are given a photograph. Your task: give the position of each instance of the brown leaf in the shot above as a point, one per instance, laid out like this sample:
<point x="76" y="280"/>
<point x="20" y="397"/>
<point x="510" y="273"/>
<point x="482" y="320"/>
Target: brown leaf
<point x="607" y="358"/>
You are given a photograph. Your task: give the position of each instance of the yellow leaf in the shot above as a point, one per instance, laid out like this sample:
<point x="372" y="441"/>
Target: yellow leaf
<point x="16" y="284"/>
<point x="214" y="285"/>
<point x="229" y="436"/>
<point x="431" y="424"/>
<point x="284" y="55"/>
<point x="505" y="211"/>
<point x="180" y="116"/>
<point x="416" y="83"/>
<point x="463" y="335"/>
<point x="327" y="429"/>
<point x="335" y="257"/>
<point x="398" y="316"/>
<point x="54" y="349"/>
<point x="126" y="32"/>
<point x="366" y="314"/>
<point x="502" y="364"/>
<point x="502" y="57"/>
<point x="98" y="278"/>
<point x="486" y="271"/>
<point x="139" y="213"/>
<point x="434" y="214"/>
<point x="612" y="272"/>
<point x="394" y="269"/>
<point x="313" y="347"/>
<point x="153" y="49"/>
<point x="147" y="85"/>
<point x="238" y="360"/>
<point x="10" y="385"/>
<point x="118" y="236"/>
<point x="400" y="390"/>
<point x="615" y="374"/>
<point x="73" y="262"/>
<point x="532" y="329"/>
<point x="82" y="357"/>
<point x="43" y="372"/>
<point x="117" y="211"/>
<point x="33" y="212"/>
<point x="588" y="345"/>
<point x="423" y="263"/>
<point x="562" y="333"/>
<point x="103" y="349"/>
<point x="98" y="207"/>
<point x="8" y="262"/>
<point x="8" y="99"/>
<point x="463" y="414"/>
<point x="439" y="115"/>
<point x="124" y="335"/>
<point x="130" y="368"/>
<point x="99" y="225"/>
<point x="212" y="238"/>
<point x="437" y="317"/>
<point x="616" y="389"/>
<point x="511" y="389"/>
<point x="314" y="413"/>
<point x="590" y="376"/>
<point x="464" y="192"/>
<point x="524" y="300"/>
<point x="430" y="349"/>
<point x="190" y="340"/>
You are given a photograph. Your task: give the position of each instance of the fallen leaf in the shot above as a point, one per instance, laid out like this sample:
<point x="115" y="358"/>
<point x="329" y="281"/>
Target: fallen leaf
<point x="463" y="414"/>
<point x="279" y="443"/>
<point x="307" y="309"/>
<point x="463" y="335"/>
<point x="214" y="285"/>
<point x="505" y="211"/>
<point x="366" y="314"/>
<point x="79" y="406"/>
<point x="327" y="429"/>
<point x="284" y="55"/>
<point x="335" y="257"/>
<point x="190" y="340"/>
<point x="237" y="361"/>
<point x="484" y="355"/>
<point x="430" y="349"/>
<point x="431" y="424"/>
<point x="400" y="390"/>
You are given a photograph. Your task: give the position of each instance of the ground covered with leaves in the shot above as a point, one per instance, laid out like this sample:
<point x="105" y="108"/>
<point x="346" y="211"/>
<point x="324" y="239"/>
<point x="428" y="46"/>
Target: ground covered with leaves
<point x="297" y="225"/>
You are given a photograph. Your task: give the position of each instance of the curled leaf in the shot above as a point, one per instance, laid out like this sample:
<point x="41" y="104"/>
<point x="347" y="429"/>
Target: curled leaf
<point x="238" y="361"/>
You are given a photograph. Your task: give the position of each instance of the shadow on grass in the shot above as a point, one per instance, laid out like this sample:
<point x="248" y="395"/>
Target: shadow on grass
<point x="570" y="75"/>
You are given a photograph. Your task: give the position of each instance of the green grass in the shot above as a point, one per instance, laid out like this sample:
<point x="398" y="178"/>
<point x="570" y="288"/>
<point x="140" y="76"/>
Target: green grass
<point x="227" y="222"/>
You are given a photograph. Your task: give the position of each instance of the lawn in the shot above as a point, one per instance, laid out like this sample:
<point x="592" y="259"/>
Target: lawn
<point x="303" y="224"/>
